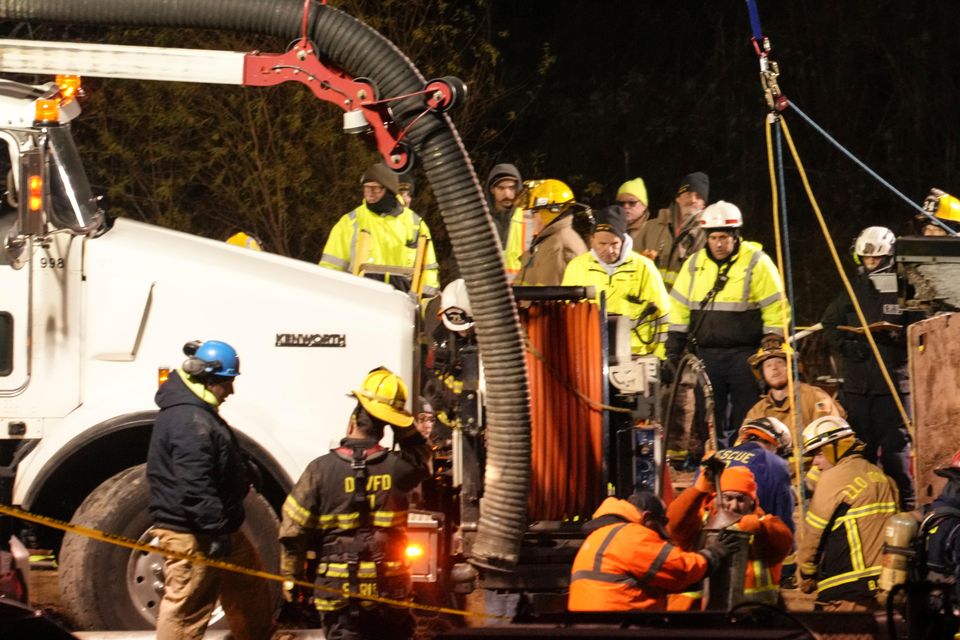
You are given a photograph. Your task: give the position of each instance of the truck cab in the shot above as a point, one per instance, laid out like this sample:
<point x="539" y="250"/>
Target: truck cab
<point x="94" y="315"/>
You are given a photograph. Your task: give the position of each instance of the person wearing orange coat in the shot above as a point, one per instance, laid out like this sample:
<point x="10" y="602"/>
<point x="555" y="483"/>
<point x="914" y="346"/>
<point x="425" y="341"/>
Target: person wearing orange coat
<point x="627" y="562"/>
<point x="770" y="538"/>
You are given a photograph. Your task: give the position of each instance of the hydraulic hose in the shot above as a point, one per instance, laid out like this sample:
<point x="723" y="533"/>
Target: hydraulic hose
<point x="363" y="52"/>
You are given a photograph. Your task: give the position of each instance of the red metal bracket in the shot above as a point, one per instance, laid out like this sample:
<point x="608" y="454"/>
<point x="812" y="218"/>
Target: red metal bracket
<point x="300" y="64"/>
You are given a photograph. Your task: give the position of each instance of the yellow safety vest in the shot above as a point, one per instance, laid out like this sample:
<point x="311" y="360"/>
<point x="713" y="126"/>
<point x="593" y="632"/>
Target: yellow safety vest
<point x="393" y="244"/>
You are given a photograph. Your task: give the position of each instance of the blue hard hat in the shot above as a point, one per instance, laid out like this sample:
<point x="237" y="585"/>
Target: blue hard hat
<point x="221" y="358"/>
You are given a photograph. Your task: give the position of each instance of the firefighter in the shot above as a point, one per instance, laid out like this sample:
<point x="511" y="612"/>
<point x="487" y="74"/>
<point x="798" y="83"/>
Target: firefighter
<point x="770" y="366"/>
<point x="198" y="478"/>
<point x="675" y="233"/>
<point x="385" y="232"/>
<point x="942" y="206"/>
<point x="556" y="241"/>
<point x="770" y="537"/>
<point x="627" y="562"/>
<point x="839" y="551"/>
<point x="726" y="298"/>
<point x="872" y="410"/>
<point x="513" y="229"/>
<point x="454" y="349"/>
<point x="632" y="196"/>
<point x="350" y="508"/>
<point x="631" y="284"/>
<point x="761" y="443"/>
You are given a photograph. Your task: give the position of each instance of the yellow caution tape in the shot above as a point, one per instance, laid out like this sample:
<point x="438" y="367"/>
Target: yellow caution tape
<point x="129" y="543"/>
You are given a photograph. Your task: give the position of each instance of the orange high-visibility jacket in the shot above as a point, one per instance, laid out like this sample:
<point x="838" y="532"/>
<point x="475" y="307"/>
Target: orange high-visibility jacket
<point x="769" y="545"/>
<point x="625" y="566"/>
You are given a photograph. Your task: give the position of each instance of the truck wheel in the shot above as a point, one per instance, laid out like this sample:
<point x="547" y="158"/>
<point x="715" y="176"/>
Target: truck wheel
<point x="108" y="587"/>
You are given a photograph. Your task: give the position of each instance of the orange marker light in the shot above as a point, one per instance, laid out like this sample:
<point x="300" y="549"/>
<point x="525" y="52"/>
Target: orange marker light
<point x="162" y="374"/>
<point x="47" y="111"/>
<point x="69" y="87"/>
<point x="35" y="197"/>
<point x="414" y="551"/>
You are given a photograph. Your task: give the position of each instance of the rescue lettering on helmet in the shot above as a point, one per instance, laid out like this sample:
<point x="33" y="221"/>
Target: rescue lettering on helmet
<point x="381" y="482"/>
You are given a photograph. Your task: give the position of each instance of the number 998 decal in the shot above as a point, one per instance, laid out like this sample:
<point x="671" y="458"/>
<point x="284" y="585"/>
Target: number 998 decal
<point x="51" y="263"/>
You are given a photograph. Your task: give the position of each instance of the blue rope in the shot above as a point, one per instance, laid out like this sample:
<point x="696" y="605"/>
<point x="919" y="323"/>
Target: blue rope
<point x="754" y="20"/>
<point x="933" y="219"/>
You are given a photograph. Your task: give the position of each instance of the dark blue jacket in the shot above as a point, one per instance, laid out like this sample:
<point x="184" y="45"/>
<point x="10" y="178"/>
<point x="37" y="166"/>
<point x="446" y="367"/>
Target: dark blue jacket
<point x="196" y="470"/>
<point x="771" y="473"/>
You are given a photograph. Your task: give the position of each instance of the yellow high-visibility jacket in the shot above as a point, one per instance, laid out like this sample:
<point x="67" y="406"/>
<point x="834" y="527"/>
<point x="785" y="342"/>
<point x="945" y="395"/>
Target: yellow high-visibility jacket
<point x="749" y="305"/>
<point x="519" y="239"/>
<point x="392" y="245"/>
<point x="629" y="290"/>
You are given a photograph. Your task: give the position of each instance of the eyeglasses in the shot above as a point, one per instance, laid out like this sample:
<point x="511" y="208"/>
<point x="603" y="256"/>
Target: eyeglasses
<point x="629" y="203"/>
<point x="426" y="417"/>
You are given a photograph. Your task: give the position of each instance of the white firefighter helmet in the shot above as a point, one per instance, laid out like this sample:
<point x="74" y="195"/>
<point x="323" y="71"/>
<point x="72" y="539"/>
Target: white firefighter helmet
<point x="721" y="215"/>
<point x="768" y="429"/>
<point x="874" y="242"/>
<point x="823" y="431"/>
<point x="455" y="310"/>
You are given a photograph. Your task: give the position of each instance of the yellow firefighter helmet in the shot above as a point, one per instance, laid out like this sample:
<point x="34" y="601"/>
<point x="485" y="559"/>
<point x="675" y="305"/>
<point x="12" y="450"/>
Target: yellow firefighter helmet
<point x="384" y="395"/>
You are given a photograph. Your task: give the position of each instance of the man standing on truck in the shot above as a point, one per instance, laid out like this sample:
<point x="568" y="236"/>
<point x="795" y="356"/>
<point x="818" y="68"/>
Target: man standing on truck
<point x="198" y="479"/>
<point x="350" y="508"/>
<point x="379" y="238"/>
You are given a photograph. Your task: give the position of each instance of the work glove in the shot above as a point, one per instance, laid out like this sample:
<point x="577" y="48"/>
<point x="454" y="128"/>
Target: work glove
<point x="719" y="548"/>
<point x="710" y="469"/>
<point x="220" y="546"/>
<point x="932" y="202"/>
<point x="855" y="351"/>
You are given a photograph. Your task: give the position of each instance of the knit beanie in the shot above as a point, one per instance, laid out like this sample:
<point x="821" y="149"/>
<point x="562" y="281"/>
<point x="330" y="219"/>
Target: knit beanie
<point x="382" y="174"/>
<point x="635" y="188"/>
<point x="739" y="479"/>
<point x="698" y="182"/>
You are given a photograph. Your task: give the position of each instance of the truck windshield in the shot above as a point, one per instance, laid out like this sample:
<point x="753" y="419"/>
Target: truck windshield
<point x="74" y="206"/>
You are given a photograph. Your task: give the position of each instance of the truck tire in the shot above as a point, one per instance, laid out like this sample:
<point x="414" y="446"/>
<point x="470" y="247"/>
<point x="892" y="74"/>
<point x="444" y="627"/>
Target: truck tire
<point x="107" y="587"/>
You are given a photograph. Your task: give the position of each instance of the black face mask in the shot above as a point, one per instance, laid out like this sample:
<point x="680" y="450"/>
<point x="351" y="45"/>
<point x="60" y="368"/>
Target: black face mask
<point x="388" y="205"/>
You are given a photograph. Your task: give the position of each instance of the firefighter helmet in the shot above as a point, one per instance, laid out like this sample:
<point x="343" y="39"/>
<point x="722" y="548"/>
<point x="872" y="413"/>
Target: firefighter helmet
<point x="874" y="242"/>
<point x="455" y="309"/>
<point x="951" y="470"/>
<point x="245" y="240"/>
<point x="772" y="346"/>
<point x="770" y="430"/>
<point x="211" y="358"/>
<point x="823" y="431"/>
<point x="943" y="206"/>
<point x="721" y="215"/>
<point x="384" y="395"/>
<point x="549" y="198"/>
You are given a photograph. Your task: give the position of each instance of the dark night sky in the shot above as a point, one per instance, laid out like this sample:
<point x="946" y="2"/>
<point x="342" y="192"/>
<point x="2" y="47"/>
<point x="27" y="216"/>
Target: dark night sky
<point x="659" y="89"/>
